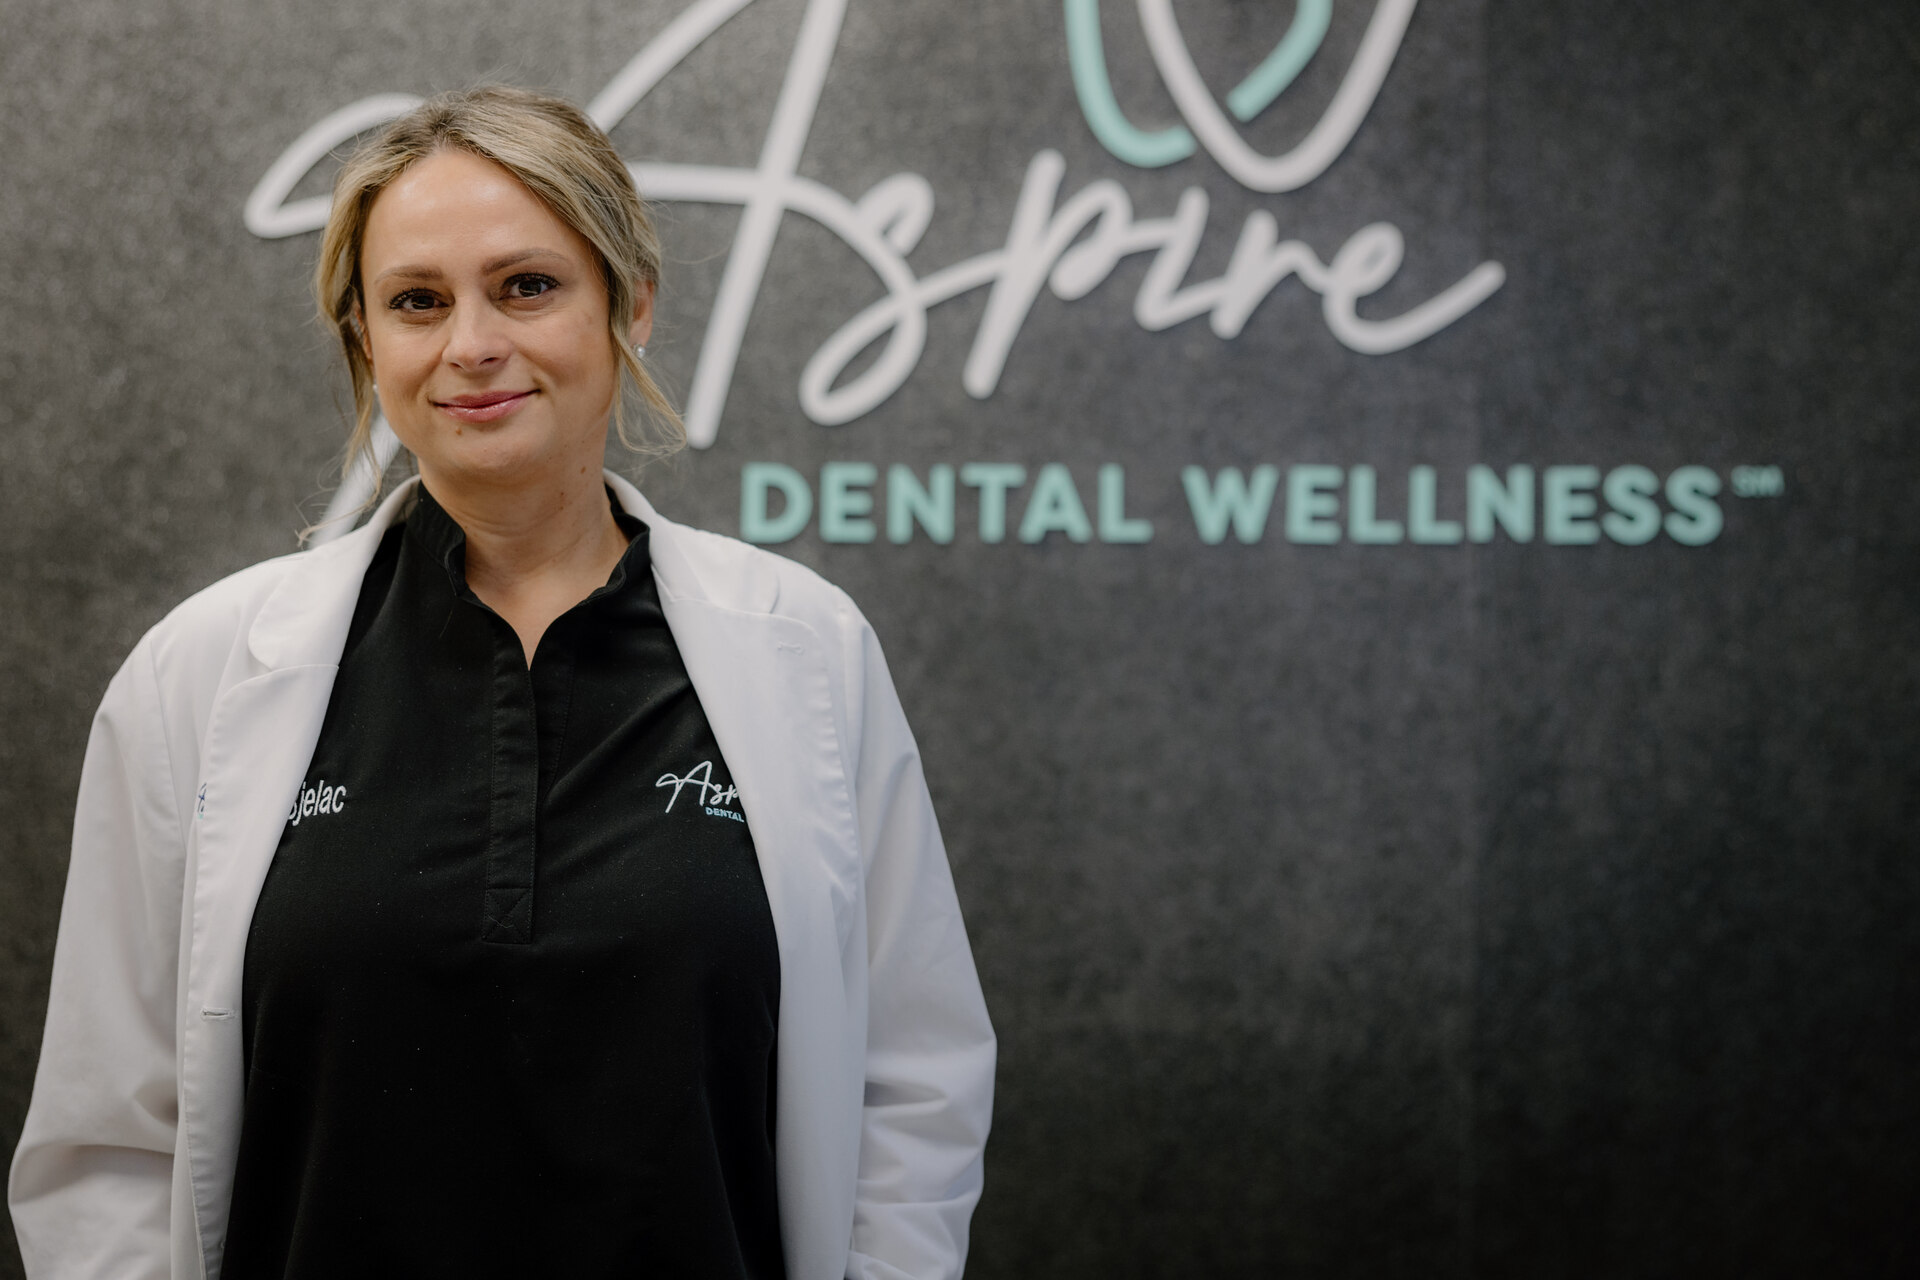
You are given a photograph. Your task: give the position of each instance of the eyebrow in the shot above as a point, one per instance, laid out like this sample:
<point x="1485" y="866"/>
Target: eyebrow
<point x="411" y="271"/>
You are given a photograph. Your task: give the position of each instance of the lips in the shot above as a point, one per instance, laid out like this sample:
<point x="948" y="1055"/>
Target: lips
<point x="486" y="406"/>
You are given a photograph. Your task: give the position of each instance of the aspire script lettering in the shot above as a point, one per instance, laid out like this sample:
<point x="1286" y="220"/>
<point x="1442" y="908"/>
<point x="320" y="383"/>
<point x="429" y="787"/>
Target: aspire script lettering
<point x="1069" y="246"/>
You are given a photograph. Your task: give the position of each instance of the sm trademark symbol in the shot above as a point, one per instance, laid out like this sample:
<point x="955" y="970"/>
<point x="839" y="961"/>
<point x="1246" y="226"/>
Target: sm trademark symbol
<point x="1758" y="482"/>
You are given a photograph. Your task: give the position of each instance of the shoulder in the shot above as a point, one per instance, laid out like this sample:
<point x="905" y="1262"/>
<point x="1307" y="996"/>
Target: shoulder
<point x="210" y="640"/>
<point x="754" y="585"/>
<point x="225" y="609"/>
<point x="227" y="605"/>
<point x="737" y="575"/>
<point x="693" y="564"/>
<point x="157" y="706"/>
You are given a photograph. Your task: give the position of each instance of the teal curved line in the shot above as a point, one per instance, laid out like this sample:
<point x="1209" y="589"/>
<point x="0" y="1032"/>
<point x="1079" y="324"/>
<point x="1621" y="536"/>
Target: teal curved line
<point x="1270" y="79"/>
<point x="1087" y="58"/>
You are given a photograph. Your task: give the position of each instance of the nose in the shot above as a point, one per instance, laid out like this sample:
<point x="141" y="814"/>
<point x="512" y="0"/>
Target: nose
<point x="477" y="337"/>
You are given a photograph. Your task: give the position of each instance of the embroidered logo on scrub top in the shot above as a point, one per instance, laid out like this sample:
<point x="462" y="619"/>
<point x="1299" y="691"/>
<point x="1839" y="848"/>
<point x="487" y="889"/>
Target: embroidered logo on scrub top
<point x="717" y="798"/>
<point x="316" y="799"/>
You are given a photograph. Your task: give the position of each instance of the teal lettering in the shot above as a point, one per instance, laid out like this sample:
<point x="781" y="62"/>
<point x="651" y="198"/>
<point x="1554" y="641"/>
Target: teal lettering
<point x="1423" y="528"/>
<point x="1312" y="505"/>
<point x="1510" y="504"/>
<point x="1696" y="518"/>
<point x="757" y="480"/>
<point x="1635" y="517"/>
<point x="1228" y="500"/>
<point x="1567" y="505"/>
<point x="1362" y="526"/>
<point x="845" y="501"/>
<point x="993" y="479"/>
<point x="1115" y="524"/>
<point x="1054" y="507"/>
<point x="931" y="506"/>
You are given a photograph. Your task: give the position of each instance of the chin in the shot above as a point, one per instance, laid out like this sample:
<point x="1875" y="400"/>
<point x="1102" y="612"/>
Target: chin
<point x="495" y="458"/>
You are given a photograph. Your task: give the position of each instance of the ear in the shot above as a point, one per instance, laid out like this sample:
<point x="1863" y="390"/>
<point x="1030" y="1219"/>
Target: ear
<point x="642" y="328"/>
<point x="360" y="332"/>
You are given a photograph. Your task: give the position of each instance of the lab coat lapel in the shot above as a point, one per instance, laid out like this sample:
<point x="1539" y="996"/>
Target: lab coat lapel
<point x="763" y="685"/>
<point x="259" y="739"/>
<point x="258" y="743"/>
<point x="764" y="689"/>
<point x="763" y="681"/>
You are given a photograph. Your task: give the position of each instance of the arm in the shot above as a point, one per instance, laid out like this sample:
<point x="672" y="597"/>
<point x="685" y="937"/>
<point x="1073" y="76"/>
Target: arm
<point x="930" y="1047"/>
<point x="91" y="1183"/>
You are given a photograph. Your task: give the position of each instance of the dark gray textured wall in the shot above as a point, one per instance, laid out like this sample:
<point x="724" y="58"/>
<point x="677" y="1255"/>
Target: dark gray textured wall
<point x="1503" y="910"/>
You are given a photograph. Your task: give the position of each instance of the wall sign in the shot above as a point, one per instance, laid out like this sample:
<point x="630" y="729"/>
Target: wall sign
<point x="1068" y="244"/>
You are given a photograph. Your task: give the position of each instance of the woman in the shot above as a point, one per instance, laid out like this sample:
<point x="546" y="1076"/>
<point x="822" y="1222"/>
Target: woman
<point x="522" y="883"/>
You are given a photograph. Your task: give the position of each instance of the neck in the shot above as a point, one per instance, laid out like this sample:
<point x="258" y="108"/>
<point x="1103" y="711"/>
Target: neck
<point x="533" y="551"/>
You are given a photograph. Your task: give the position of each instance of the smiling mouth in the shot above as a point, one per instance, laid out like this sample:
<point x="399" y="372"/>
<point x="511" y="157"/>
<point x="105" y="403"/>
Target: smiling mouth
<point x="486" y="407"/>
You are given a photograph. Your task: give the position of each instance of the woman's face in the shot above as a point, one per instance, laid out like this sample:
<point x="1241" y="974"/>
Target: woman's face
<point x="486" y="321"/>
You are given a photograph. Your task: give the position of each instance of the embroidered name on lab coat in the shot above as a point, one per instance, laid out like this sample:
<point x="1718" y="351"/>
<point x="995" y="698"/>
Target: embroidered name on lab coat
<point x="319" y="798"/>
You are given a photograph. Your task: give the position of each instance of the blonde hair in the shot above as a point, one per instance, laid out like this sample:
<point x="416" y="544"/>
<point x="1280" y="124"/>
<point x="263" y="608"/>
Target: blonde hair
<point x="562" y="157"/>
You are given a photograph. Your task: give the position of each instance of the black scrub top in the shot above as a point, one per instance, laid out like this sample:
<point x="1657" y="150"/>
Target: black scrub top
<point x="511" y="986"/>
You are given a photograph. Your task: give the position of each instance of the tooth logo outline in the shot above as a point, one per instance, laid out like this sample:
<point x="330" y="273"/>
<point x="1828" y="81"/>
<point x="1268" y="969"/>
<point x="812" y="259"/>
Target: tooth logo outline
<point x="1205" y="124"/>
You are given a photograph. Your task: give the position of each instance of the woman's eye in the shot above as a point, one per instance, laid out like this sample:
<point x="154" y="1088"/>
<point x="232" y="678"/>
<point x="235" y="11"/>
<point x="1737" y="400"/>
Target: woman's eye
<point x="413" y="300"/>
<point x="530" y="286"/>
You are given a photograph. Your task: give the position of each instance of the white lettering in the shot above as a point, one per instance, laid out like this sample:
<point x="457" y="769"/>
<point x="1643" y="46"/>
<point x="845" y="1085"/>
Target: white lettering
<point x="700" y="777"/>
<point x="319" y="798"/>
<point x="887" y="222"/>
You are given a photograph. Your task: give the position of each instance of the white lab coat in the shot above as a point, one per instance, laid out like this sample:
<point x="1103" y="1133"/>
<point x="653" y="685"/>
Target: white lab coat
<point x="885" y="1060"/>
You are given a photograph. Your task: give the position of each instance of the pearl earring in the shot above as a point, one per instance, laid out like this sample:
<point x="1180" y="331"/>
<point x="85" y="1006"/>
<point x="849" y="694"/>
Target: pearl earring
<point x="639" y="350"/>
